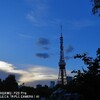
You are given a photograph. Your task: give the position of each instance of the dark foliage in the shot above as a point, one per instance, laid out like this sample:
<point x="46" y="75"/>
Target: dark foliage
<point x="96" y="7"/>
<point x="9" y="84"/>
<point x="88" y="81"/>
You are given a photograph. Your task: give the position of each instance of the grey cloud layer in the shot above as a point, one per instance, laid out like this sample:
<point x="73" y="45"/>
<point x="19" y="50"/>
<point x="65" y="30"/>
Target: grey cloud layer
<point x="30" y="75"/>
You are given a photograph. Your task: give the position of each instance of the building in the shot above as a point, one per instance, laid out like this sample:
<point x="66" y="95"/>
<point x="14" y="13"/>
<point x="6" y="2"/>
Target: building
<point x="52" y="84"/>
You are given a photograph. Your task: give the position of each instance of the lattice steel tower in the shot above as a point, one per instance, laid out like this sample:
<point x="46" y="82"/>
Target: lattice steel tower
<point x="62" y="77"/>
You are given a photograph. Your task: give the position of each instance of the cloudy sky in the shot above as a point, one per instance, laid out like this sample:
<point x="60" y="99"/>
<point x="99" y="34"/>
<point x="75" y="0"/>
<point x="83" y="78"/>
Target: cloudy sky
<point x="29" y="37"/>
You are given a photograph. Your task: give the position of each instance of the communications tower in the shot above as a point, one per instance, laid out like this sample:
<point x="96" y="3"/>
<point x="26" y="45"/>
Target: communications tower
<point x="62" y="77"/>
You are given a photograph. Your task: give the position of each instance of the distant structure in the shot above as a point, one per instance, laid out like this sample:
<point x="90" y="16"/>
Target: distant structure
<point x="69" y="78"/>
<point x="62" y="77"/>
<point x="52" y="84"/>
<point x="38" y="86"/>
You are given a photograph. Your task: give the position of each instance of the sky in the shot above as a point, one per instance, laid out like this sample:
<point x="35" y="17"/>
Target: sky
<point x="30" y="32"/>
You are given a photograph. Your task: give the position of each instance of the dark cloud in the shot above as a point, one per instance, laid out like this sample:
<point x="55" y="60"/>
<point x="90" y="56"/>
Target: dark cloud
<point x="43" y="41"/>
<point x="69" y="49"/>
<point x="46" y="48"/>
<point x="68" y="57"/>
<point x="43" y="55"/>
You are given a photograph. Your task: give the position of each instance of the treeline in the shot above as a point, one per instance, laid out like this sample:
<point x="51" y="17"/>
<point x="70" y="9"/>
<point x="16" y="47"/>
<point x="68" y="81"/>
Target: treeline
<point x="10" y="84"/>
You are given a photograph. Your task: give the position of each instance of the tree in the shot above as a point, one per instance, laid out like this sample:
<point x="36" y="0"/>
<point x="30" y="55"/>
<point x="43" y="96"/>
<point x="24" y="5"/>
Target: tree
<point x="93" y="65"/>
<point x="10" y="83"/>
<point x="44" y="91"/>
<point x="96" y="7"/>
<point x="88" y="81"/>
<point x="1" y="85"/>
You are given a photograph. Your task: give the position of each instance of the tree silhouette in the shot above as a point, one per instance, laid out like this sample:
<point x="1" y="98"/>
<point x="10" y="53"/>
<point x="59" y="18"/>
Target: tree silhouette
<point x="44" y="91"/>
<point x="96" y="7"/>
<point x="1" y="85"/>
<point x="10" y="84"/>
<point x="88" y="81"/>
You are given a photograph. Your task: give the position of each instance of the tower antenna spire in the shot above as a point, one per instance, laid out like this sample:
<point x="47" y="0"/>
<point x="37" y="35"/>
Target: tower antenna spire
<point x="61" y="29"/>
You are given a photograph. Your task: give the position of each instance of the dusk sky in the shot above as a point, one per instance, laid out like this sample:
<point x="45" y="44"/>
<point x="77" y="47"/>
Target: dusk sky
<point x="29" y="37"/>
